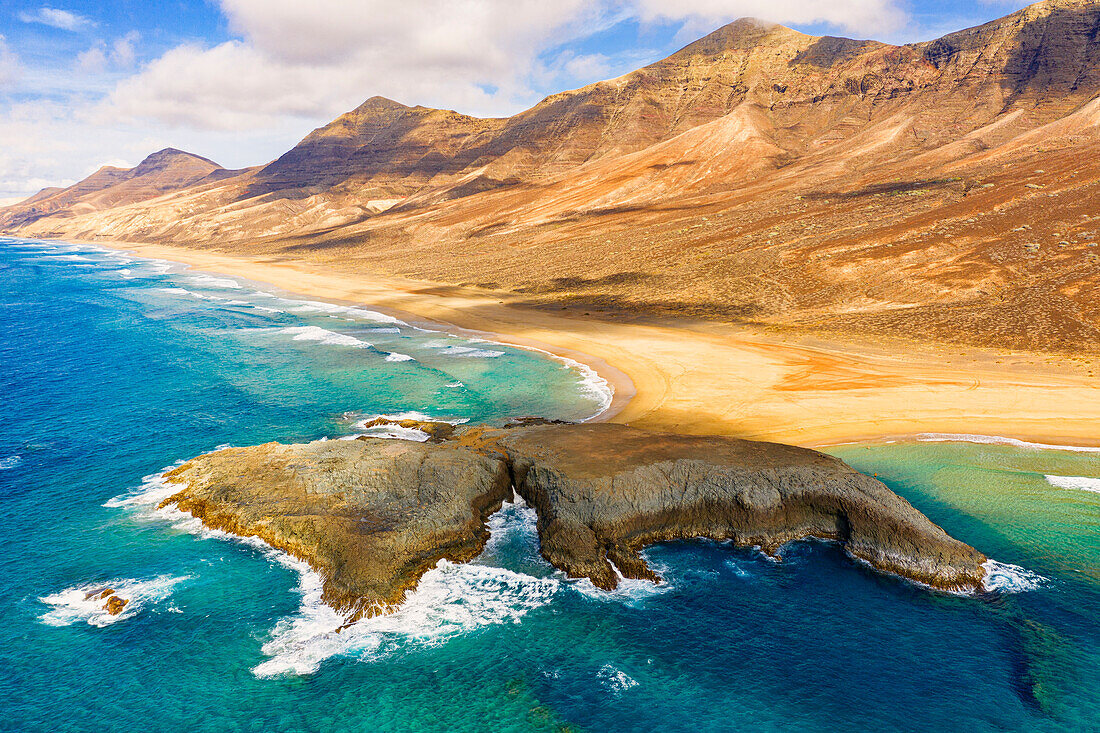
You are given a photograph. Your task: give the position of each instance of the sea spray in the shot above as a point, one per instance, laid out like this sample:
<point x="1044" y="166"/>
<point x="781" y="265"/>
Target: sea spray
<point x="81" y="603"/>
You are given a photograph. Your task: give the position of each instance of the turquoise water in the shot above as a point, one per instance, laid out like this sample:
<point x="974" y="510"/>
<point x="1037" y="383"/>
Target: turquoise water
<point x="114" y="368"/>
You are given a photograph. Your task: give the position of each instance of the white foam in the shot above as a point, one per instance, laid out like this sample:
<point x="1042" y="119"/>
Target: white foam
<point x="1006" y="578"/>
<point x="312" y="306"/>
<point x="153" y="490"/>
<point x="470" y="352"/>
<point x="10" y="462"/>
<point x="630" y="591"/>
<point x="324" y="336"/>
<point x="386" y="329"/>
<point x="615" y="680"/>
<point x="210" y="281"/>
<point x="410" y="415"/>
<point x="394" y="356"/>
<point x="1080" y="483"/>
<point x="738" y="569"/>
<point x="454" y="384"/>
<point x="515" y="522"/>
<point x="158" y="267"/>
<point x="185" y="291"/>
<point x="998" y="440"/>
<point x="591" y="383"/>
<point x="450" y="600"/>
<point x="73" y="605"/>
<point x="392" y="432"/>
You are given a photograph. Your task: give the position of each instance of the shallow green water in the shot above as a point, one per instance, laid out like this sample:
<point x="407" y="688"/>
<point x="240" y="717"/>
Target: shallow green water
<point x="113" y="369"/>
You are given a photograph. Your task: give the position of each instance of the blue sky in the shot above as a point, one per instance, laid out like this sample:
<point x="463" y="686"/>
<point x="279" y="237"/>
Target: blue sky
<point x="83" y="84"/>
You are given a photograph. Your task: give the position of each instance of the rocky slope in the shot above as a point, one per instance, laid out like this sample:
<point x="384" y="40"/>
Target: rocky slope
<point x="372" y="515"/>
<point x="941" y="190"/>
<point x="162" y="172"/>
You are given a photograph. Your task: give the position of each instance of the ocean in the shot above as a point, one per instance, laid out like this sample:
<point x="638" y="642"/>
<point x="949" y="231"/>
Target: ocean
<point x="113" y="368"/>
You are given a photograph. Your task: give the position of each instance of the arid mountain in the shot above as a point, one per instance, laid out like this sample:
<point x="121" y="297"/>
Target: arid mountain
<point x="109" y="187"/>
<point x="946" y="189"/>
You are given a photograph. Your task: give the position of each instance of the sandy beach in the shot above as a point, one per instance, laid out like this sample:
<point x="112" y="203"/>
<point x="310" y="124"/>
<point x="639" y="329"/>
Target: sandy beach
<point x="708" y="378"/>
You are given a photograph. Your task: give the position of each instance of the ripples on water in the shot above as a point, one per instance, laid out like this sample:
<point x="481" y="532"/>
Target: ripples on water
<point x="116" y="367"/>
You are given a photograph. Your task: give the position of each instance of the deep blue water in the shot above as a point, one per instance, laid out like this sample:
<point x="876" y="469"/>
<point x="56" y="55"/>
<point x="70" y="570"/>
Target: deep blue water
<point x="113" y="368"/>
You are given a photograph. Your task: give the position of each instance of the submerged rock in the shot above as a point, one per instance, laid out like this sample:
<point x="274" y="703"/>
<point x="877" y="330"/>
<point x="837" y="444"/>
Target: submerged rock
<point x="372" y="515"/>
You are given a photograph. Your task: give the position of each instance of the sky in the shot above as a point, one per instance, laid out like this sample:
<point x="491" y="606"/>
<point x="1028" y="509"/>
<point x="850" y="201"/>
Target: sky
<point x="87" y="83"/>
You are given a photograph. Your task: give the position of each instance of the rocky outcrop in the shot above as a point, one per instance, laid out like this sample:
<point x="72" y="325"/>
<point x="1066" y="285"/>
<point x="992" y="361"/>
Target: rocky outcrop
<point x="114" y="605"/>
<point x="373" y="515"/>
<point x="604" y="491"/>
<point x="370" y="516"/>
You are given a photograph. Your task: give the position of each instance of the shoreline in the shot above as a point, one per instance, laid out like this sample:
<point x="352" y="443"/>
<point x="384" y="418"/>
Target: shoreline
<point x="710" y="378"/>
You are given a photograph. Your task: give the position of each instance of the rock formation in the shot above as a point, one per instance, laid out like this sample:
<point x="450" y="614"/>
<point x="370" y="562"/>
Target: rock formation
<point x="603" y="491"/>
<point x="372" y="515"/>
<point x="114" y="605"/>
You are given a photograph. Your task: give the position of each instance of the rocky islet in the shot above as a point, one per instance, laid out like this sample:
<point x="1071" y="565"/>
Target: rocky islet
<point x="373" y="515"/>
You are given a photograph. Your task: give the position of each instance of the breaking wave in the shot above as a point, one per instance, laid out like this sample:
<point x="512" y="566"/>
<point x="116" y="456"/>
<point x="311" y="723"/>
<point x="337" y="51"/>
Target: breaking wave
<point x="78" y="604"/>
<point x="1006" y="578"/>
<point x="1079" y="483"/>
<point x="449" y="601"/>
<point x="209" y="281"/>
<point x="324" y="336"/>
<point x="615" y="680"/>
<point x="998" y="440"/>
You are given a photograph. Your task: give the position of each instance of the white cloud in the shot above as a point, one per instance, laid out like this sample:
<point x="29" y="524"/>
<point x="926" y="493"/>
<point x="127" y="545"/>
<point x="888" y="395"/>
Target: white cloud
<point x="295" y="65"/>
<point x="315" y="60"/>
<point x="92" y="61"/>
<point x="866" y="17"/>
<point x="121" y="55"/>
<point x="62" y="19"/>
<point x="9" y="64"/>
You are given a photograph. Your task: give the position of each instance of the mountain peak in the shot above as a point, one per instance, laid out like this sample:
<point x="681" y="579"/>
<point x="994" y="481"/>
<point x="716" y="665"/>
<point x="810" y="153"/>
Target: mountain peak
<point x="170" y="156"/>
<point x="378" y="103"/>
<point x="742" y="34"/>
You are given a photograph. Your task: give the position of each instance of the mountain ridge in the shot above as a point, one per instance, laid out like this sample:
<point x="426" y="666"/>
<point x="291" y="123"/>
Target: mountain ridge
<point x="757" y="174"/>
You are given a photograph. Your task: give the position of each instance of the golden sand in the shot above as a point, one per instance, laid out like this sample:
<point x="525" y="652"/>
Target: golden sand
<point x="707" y="378"/>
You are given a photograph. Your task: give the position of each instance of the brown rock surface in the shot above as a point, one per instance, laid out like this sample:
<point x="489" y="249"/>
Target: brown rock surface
<point x="370" y="516"/>
<point x="603" y="491"/>
<point x="373" y="515"/>
<point x="115" y="605"/>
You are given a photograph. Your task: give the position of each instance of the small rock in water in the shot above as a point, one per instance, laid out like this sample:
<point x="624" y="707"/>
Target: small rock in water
<point x="115" y="605"/>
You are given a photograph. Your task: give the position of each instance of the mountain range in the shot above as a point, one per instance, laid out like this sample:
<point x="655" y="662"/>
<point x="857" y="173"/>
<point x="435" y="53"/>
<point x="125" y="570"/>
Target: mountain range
<point x="944" y="190"/>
